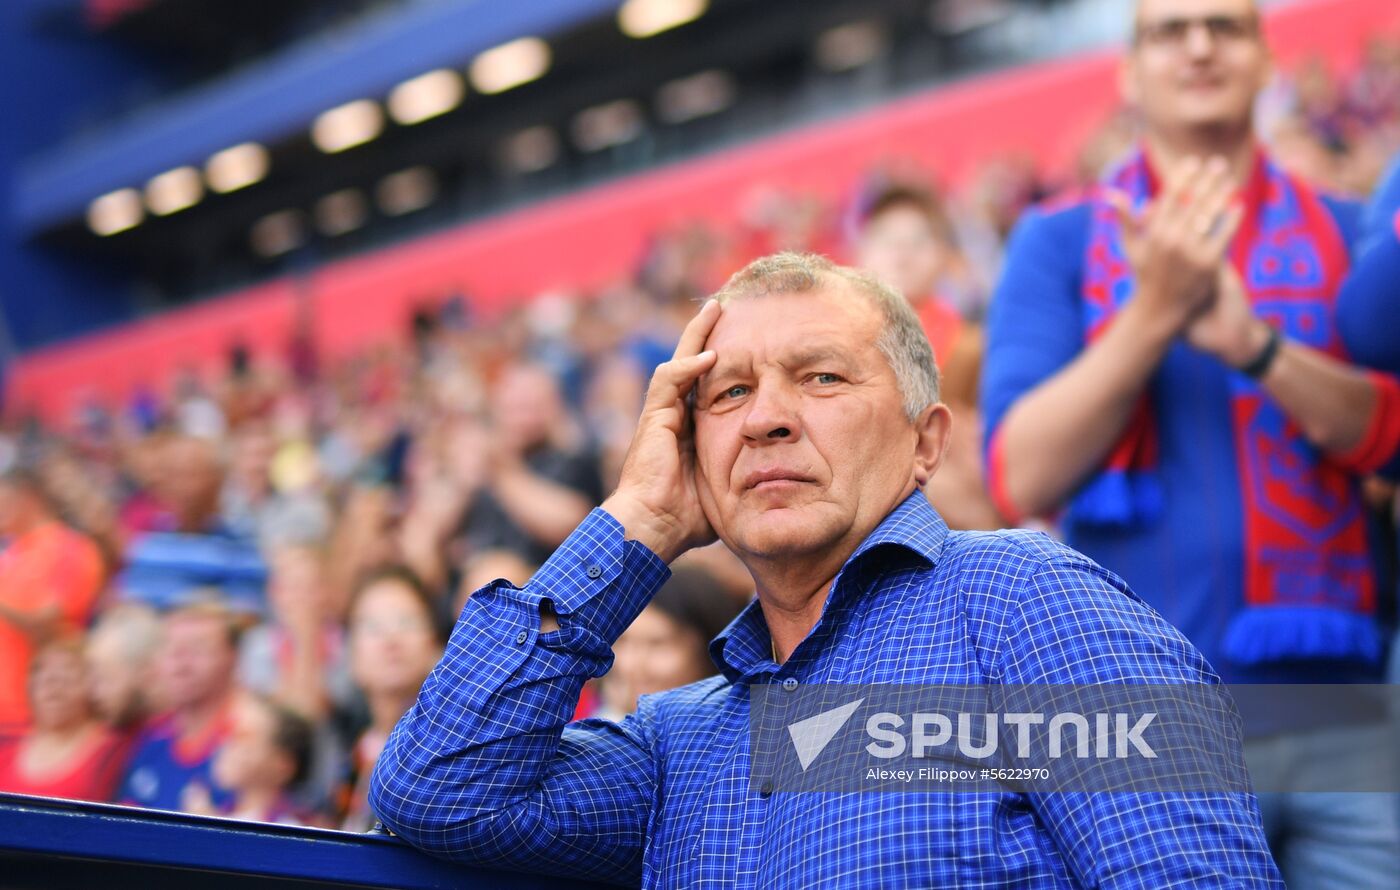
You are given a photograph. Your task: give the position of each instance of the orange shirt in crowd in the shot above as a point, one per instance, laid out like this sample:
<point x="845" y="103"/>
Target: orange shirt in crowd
<point x="957" y="348"/>
<point x="942" y="325"/>
<point x="49" y="565"/>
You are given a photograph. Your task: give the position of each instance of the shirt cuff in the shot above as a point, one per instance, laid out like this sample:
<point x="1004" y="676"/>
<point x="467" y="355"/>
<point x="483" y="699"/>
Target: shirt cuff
<point x="996" y="481"/>
<point x="1382" y="438"/>
<point x="597" y="579"/>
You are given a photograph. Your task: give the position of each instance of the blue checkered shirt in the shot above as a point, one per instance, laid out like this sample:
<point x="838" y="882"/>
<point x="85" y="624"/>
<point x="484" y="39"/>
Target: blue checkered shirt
<point x="487" y="768"/>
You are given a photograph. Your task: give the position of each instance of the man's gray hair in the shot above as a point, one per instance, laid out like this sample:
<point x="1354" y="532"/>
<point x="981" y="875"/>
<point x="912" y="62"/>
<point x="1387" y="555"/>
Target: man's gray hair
<point x="901" y="341"/>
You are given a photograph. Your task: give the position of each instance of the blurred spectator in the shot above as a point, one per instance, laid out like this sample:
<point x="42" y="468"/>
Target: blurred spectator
<point x="266" y="753"/>
<point x="395" y="639"/>
<point x="50" y="576"/>
<point x="907" y="242"/>
<point x="363" y="538"/>
<point x="485" y="566"/>
<point x="120" y="649"/>
<point x="195" y="676"/>
<point x="67" y="751"/>
<point x="1176" y="388"/>
<point x="247" y="489"/>
<point x="81" y="487"/>
<point x="668" y="644"/>
<point x="298" y="656"/>
<point x="612" y="402"/>
<point x="183" y="477"/>
<point x="1374" y="92"/>
<point x="179" y="541"/>
<point x="538" y="480"/>
<point x="1373" y="289"/>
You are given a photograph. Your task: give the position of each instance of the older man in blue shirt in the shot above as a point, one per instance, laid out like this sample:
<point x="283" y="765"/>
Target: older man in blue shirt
<point x="798" y="422"/>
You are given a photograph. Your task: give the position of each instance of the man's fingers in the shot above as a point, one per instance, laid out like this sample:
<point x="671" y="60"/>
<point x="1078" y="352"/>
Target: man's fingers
<point x="693" y="337"/>
<point x="1209" y="212"/>
<point x="674" y="379"/>
<point x="1177" y="187"/>
<point x="1131" y="222"/>
<point x="1200" y="190"/>
<point x="1122" y="206"/>
<point x="1226" y="228"/>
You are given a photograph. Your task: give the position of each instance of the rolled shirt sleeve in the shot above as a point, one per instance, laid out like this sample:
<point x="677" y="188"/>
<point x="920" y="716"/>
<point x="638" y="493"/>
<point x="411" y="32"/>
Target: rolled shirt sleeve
<point x="483" y="767"/>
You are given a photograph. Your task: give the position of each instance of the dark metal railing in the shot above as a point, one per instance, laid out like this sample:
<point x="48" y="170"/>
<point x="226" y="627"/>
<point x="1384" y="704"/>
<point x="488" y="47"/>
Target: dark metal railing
<point x="69" y="844"/>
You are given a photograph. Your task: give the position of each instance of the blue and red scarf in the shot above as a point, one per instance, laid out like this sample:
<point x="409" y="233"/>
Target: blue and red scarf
<point x="1309" y="582"/>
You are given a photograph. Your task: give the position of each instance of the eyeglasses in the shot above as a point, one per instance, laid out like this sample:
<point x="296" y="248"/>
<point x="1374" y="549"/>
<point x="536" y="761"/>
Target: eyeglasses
<point x="1174" y="32"/>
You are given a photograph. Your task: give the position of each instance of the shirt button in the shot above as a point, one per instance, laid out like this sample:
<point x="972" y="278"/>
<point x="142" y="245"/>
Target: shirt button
<point x="595" y="571"/>
<point x="767" y="789"/>
<point x="790" y="684"/>
<point x="521" y="637"/>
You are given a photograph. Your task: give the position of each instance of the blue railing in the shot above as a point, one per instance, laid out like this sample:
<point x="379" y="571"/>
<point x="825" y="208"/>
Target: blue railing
<point x="60" y="844"/>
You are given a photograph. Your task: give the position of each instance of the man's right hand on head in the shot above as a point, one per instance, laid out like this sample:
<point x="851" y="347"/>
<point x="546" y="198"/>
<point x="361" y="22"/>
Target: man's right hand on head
<point x="1177" y="244"/>
<point x="656" y="499"/>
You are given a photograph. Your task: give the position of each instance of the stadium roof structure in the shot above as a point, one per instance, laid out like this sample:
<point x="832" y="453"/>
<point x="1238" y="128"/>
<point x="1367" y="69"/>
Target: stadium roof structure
<point x="137" y="191"/>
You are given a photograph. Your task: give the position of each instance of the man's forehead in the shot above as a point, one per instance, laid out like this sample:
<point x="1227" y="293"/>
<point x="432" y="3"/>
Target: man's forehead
<point x="1156" y="10"/>
<point x="798" y="326"/>
<point x="835" y="314"/>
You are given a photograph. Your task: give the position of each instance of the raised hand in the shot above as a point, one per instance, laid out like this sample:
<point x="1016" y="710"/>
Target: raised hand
<point x="1177" y="244"/>
<point x="656" y="500"/>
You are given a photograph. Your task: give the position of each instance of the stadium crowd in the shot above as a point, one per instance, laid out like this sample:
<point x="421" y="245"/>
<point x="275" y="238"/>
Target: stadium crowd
<point x="221" y="599"/>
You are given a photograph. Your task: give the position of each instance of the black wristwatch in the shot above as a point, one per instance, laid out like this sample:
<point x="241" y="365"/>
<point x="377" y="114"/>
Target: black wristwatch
<point x="1257" y="367"/>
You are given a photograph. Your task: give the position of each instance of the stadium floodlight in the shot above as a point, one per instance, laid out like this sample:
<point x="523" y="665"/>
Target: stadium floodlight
<point x="604" y="126"/>
<point x="406" y="191"/>
<point x="510" y="65"/>
<point x="237" y="167"/>
<point x="115" y="212"/>
<point x="698" y="95"/>
<point x="341" y="212"/>
<point x="851" y="46"/>
<point x="426" y="96"/>
<point x="643" y="18"/>
<point x="174" y="190"/>
<point x="530" y="150"/>
<point x="347" y="126"/>
<point x="278" y="233"/>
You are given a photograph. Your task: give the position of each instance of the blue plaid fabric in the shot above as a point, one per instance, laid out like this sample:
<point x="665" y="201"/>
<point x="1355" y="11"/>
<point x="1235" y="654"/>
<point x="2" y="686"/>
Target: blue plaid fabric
<point x="484" y="768"/>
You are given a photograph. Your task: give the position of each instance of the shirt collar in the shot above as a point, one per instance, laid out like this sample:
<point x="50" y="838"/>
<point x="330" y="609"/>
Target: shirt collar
<point x="914" y="527"/>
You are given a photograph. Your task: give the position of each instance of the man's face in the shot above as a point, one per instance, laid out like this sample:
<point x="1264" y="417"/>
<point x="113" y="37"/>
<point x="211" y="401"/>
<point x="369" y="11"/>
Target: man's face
<point x="116" y="682"/>
<point x="58" y="689"/>
<point x="197" y="659"/>
<point x="190" y="476"/>
<point x="1195" y="63"/>
<point x="525" y="405"/>
<point x="656" y="653"/>
<point x="900" y="247"/>
<point x="249" y="756"/>
<point x="392" y="646"/>
<point x="802" y="443"/>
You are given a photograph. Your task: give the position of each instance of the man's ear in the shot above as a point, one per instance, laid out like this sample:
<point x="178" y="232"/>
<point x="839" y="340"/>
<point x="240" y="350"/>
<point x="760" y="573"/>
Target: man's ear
<point x="934" y="427"/>
<point x="1127" y="81"/>
<point x="1267" y="68"/>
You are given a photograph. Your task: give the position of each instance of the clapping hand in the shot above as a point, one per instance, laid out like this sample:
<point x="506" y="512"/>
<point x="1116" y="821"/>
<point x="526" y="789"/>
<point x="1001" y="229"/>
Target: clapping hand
<point x="1177" y="244"/>
<point x="1229" y="329"/>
